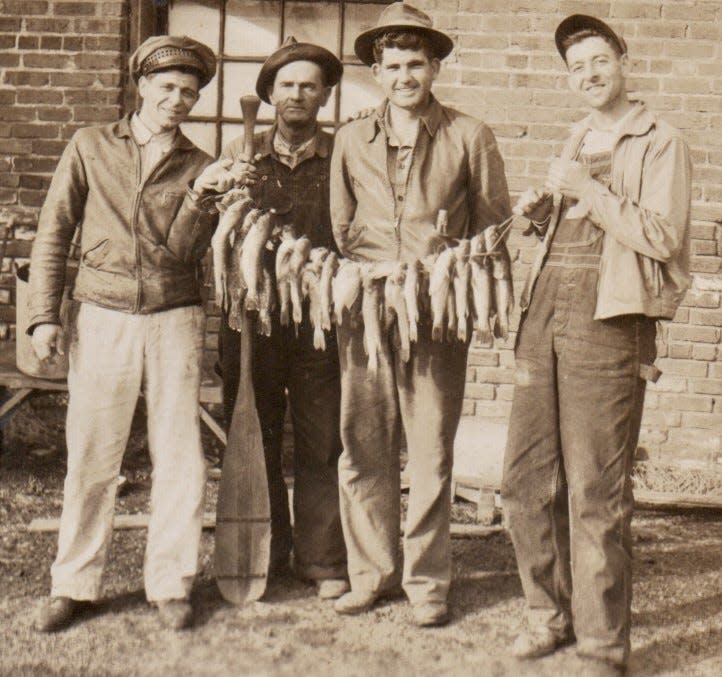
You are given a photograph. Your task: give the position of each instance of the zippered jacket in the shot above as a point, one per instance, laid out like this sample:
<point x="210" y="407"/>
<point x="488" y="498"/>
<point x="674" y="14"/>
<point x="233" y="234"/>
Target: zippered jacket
<point x="645" y="215"/>
<point x="141" y="240"/>
<point x="455" y="166"/>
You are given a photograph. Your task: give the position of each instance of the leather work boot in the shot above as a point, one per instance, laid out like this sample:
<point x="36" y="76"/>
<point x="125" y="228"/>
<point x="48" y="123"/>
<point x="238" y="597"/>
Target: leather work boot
<point x="175" y="614"/>
<point x="430" y="614"/>
<point x="332" y="588"/>
<point x="57" y="613"/>
<point x="355" y="602"/>
<point x="538" y="642"/>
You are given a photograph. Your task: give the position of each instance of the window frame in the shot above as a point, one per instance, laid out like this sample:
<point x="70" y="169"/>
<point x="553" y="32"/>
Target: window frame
<point x="151" y="18"/>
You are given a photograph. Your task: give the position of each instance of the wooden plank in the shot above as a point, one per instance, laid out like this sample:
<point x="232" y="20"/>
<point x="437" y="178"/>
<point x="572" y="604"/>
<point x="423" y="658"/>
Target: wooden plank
<point x="243" y="529"/>
<point x="14" y="402"/>
<point x="213" y="425"/>
<point x="122" y="521"/>
<point x="644" y="498"/>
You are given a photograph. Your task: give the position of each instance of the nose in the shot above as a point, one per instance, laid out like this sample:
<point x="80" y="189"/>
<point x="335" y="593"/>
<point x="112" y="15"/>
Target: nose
<point x="590" y="70"/>
<point x="296" y="92"/>
<point x="176" y="97"/>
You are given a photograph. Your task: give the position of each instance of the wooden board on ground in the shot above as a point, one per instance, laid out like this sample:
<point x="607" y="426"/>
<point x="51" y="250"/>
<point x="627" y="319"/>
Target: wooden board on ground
<point x="243" y="513"/>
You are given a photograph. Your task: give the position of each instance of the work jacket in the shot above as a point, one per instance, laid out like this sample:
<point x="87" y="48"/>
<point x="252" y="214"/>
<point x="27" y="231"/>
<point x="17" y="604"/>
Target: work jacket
<point x="455" y="166"/>
<point x="141" y="239"/>
<point x="644" y="214"/>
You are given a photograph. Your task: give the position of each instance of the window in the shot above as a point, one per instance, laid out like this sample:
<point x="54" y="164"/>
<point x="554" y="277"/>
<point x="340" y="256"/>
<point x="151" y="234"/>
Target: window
<point x="243" y="33"/>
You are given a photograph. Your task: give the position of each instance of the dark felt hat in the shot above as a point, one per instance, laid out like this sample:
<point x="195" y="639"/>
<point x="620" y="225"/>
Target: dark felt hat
<point x="162" y="52"/>
<point x="580" y="22"/>
<point x="291" y="50"/>
<point x="401" y="16"/>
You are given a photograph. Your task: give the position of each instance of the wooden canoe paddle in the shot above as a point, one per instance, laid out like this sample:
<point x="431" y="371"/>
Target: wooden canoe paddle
<point x="243" y="512"/>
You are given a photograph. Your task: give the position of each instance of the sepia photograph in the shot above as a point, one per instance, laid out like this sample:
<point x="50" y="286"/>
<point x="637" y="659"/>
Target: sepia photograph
<point x="356" y="338"/>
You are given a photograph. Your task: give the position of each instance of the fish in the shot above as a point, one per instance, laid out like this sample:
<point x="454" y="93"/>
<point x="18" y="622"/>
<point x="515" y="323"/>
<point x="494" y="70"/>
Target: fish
<point x="439" y="285"/>
<point x="301" y="251"/>
<point x="222" y="245"/>
<point x="312" y="290"/>
<point x="395" y="305"/>
<point x="501" y="273"/>
<point x="345" y="288"/>
<point x="451" y="319"/>
<point x="411" y="296"/>
<point x="230" y="198"/>
<point x="371" y="309"/>
<point x="330" y="266"/>
<point x="462" y="280"/>
<point x="266" y="305"/>
<point x="481" y="287"/>
<point x="283" y="270"/>
<point x="252" y="254"/>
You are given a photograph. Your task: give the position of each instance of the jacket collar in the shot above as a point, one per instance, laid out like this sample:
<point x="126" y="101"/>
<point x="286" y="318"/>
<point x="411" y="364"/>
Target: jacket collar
<point x="121" y="129"/>
<point x="431" y="119"/>
<point x="323" y="142"/>
<point x="637" y="122"/>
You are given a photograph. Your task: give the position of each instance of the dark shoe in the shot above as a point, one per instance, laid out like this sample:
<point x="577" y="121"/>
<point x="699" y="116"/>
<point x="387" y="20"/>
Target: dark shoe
<point x="176" y="614"/>
<point x="279" y="569"/>
<point x="332" y="588"/>
<point x="355" y="602"/>
<point x="57" y="613"/>
<point x="430" y="614"/>
<point x="538" y="642"/>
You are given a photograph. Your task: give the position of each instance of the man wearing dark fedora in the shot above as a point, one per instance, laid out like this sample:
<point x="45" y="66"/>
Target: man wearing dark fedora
<point x="393" y="173"/>
<point x="613" y="259"/>
<point x="290" y="173"/>
<point x="131" y="189"/>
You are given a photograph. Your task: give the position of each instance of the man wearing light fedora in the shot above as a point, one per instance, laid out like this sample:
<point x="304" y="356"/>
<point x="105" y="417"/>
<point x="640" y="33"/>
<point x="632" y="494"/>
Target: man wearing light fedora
<point x="613" y="259"/>
<point x="291" y="174"/>
<point x="393" y="172"/>
<point x="130" y="188"/>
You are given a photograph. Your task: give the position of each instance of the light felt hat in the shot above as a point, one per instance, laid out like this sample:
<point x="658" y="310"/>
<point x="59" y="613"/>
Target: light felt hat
<point x="402" y="16"/>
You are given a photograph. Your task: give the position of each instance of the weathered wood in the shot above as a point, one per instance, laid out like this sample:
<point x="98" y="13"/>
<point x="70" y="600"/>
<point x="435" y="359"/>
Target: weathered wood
<point x="243" y="527"/>
<point x="123" y="521"/>
<point x="644" y="498"/>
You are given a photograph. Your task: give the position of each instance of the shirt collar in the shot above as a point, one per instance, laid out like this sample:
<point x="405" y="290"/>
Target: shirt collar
<point x="637" y="122"/>
<point x="322" y="141"/>
<point x="143" y="135"/>
<point x="431" y="119"/>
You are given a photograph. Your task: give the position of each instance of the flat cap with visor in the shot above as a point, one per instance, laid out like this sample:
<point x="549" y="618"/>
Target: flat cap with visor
<point x="167" y="52"/>
<point x="582" y="22"/>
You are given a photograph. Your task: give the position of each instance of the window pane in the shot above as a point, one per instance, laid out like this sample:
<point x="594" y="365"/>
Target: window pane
<point x="240" y="79"/>
<point x="203" y="134"/>
<point x="206" y="105"/>
<point x="252" y="27"/>
<point x="315" y="22"/>
<point x="359" y="18"/>
<point x="199" y="19"/>
<point x="359" y="91"/>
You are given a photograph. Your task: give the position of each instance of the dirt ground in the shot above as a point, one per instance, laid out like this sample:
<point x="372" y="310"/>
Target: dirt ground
<point x="677" y="611"/>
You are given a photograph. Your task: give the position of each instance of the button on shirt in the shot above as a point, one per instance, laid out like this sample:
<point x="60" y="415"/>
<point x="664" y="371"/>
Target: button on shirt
<point x="385" y="199"/>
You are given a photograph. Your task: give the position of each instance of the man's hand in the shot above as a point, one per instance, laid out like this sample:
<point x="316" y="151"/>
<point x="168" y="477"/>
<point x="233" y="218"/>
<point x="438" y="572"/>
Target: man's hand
<point x="534" y="205"/>
<point x="225" y="174"/>
<point x="46" y="341"/>
<point x="568" y="177"/>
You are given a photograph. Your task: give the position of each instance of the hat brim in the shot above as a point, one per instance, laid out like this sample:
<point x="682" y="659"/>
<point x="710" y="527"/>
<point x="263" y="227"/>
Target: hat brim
<point x="579" y="22"/>
<point x="364" y="44"/>
<point x="300" y="51"/>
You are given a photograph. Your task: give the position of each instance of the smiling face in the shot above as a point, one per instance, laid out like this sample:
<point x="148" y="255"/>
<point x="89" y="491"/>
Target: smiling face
<point x="406" y="76"/>
<point x="598" y="73"/>
<point x="168" y="97"/>
<point x="298" y="93"/>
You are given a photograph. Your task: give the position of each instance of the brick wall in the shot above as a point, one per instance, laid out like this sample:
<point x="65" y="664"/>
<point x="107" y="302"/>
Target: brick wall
<point x="506" y="71"/>
<point x="62" y="66"/>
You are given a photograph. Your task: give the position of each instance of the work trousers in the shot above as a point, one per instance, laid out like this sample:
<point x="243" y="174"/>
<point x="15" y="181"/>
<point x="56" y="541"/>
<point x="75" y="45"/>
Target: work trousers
<point x="573" y="431"/>
<point x="112" y="356"/>
<point x="424" y="395"/>
<point x="286" y="361"/>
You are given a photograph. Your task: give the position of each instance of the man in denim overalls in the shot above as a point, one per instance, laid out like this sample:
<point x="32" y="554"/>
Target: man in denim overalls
<point x="290" y="173"/>
<point x="612" y="260"/>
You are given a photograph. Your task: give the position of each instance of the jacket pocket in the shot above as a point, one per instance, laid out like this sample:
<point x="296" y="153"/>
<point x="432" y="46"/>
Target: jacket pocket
<point x="97" y="254"/>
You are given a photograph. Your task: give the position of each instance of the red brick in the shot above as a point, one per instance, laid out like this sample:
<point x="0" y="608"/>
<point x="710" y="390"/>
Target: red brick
<point x="97" y="61"/>
<point x="47" y="96"/>
<point x="680" y="350"/>
<point x="705" y="352"/>
<point x="95" y="113"/>
<point x="39" y="131"/>
<point x="680" y="402"/>
<point x="55" y="113"/>
<point x="711" y="318"/>
<point x="35" y="182"/>
<point x="49" y="25"/>
<point x="8" y="197"/>
<point x="682" y="367"/>
<point x="9" y="180"/>
<point x="17" y="146"/>
<point x="23" y="7"/>
<point x="7" y="41"/>
<point x="483" y="358"/>
<point x="74" y="8"/>
<point x="493" y="409"/>
<point x="51" y="42"/>
<point x="34" y="164"/>
<point x="72" y="43"/>
<point x="708" y="386"/>
<point x="48" y="147"/>
<point x="48" y="61"/>
<point x="61" y="79"/>
<point x="7" y="96"/>
<point x="27" y="42"/>
<point x="10" y="24"/>
<point x="17" y="113"/>
<point x="30" y="78"/>
<point x="104" y="43"/>
<point x="31" y="198"/>
<point x="704" y="264"/>
<point x="704" y="247"/>
<point x="706" y="421"/>
<point x="494" y="375"/>
<point x="479" y="391"/>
